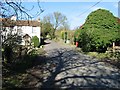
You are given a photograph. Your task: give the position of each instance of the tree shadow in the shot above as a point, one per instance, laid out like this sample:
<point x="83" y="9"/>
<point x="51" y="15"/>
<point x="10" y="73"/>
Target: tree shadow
<point x="67" y="69"/>
<point x="91" y="74"/>
<point x="15" y="75"/>
<point x="43" y="41"/>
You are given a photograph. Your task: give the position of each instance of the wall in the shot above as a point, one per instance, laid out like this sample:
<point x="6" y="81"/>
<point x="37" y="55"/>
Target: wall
<point x="31" y="31"/>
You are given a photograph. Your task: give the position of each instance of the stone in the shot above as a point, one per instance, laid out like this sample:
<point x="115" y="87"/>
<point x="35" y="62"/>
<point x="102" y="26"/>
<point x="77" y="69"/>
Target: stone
<point x="38" y="85"/>
<point x="58" y="77"/>
<point x="69" y="81"/>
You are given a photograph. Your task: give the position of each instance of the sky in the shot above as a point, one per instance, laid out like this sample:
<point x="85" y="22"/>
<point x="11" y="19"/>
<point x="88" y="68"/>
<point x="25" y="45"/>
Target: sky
<point x="72" y="10"/>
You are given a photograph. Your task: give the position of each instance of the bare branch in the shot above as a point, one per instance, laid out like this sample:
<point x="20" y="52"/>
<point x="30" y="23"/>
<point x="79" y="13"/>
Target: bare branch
<point x="10" y="8"/>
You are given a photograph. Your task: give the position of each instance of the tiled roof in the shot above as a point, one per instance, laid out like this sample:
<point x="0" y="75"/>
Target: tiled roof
<point x="8" y="22"/>
<point x="27" y="23"/>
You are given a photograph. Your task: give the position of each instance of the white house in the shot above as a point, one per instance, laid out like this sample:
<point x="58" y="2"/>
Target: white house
<point x="24" y="28"/>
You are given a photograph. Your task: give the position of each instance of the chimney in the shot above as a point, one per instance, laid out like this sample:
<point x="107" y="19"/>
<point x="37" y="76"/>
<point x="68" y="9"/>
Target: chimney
<point x="14" y="18"/>
<point x="38" y="19"/>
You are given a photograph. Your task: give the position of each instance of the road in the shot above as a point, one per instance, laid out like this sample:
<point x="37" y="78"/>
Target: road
<point x="66" y="68"/>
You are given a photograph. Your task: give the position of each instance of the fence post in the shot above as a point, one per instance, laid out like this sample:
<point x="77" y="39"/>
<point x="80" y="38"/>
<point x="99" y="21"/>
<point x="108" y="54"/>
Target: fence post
<point x="113" y="46"/>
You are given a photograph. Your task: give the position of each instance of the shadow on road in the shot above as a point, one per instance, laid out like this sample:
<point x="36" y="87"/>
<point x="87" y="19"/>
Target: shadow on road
<point x="67" y="69"/>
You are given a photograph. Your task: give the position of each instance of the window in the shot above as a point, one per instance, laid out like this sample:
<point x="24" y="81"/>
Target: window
<point x="34" y="30"/>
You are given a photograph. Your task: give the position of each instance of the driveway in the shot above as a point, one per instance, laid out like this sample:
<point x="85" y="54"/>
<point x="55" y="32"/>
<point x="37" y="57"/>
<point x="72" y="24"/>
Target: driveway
<point x="66" y="68"/>
<point x="70" y="69"/>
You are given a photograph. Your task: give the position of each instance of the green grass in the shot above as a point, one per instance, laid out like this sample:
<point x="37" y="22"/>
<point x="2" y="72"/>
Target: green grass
<point x="97" y="55"/>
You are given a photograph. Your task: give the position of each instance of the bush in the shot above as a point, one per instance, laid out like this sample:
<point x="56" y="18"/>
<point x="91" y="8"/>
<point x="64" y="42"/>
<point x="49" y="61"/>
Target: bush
<point x="99" y="31"/>
<point x="8" y="53"/>
<point x="35" y="40"/>
<point x="64" y="35"/>
<point x="115" y="55"/>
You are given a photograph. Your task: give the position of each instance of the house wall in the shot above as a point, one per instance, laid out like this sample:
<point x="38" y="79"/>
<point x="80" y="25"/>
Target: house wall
<point x="22" y="30"/>
<point x="31" y="31"/>
<point x="36" y="32"/>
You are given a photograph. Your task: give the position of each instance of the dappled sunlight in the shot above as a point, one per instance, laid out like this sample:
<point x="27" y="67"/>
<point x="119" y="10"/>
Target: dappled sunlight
<point x="69" y="69"/>
<point x="63" y="67"/>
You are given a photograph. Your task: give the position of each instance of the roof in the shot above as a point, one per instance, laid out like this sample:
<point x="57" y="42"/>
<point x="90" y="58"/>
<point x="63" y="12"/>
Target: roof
<point x="8" y="22"/>
<point x="27" y="23"/>
<point x="26" y="36"/>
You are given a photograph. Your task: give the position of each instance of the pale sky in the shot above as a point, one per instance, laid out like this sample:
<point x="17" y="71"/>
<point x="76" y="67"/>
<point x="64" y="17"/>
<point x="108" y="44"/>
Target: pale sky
<point x="73" y="10"/>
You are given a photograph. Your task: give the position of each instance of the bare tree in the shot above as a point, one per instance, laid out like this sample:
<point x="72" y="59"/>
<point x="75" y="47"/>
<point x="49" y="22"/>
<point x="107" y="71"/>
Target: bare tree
<point x="16" y="7"/>
<point x="56" y="20"/>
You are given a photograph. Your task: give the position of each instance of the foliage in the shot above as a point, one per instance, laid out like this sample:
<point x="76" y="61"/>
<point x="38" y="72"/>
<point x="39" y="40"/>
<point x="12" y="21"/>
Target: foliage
<point x="98" y="55"/>
<point x="58" y="20"/>
<point x="76" y="35"/>
<point x="12" y="40"/>
<point x="46" y="29"/>
<point x="115" y="55"/>
<point x="52" y="22"/>
<point x="14" y="76"/>
<point x="64" y="35"/>
<point x="85" y="39"/>
<point x="8" y="53"/>
<point x="9" y="45"/>
<point x="37" y="52"/>
<point x="69" y="36"/>
<point x="35" y="40"/>
<point x="99" y="31"/>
